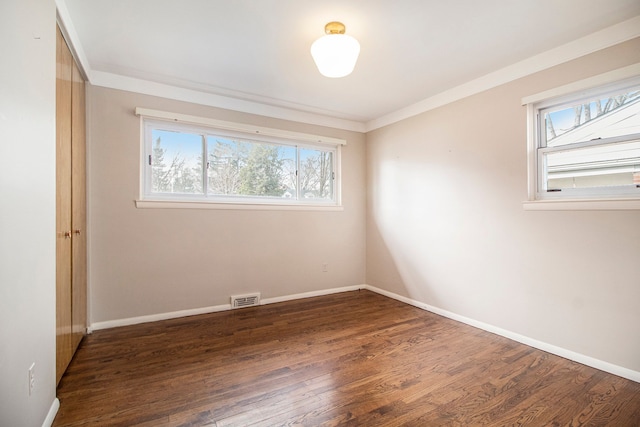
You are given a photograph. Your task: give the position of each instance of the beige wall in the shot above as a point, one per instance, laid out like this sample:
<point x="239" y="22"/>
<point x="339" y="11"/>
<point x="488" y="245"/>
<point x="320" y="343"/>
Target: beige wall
<point x="446" y="226"/>
<point x="151" y="261"/>
<point x="27" y="211"/>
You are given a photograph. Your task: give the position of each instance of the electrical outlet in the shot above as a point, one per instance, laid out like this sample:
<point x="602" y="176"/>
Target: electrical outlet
<point x="325" y="267"/>
<point x="32" y="377"/>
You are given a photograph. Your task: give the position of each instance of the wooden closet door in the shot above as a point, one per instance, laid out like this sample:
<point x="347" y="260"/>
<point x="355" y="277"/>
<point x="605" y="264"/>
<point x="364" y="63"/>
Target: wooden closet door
<point x="78" y="210"/>
<point x="64" y="350"/>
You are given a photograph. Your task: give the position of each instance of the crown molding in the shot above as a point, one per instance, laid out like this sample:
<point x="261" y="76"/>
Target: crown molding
<point x="146" y="87"/>
<point x="594" y="42"/>
<point x="180" y="93"/>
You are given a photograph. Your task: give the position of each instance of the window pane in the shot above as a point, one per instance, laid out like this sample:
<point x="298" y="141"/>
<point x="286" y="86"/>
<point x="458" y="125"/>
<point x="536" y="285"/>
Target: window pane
<point x="316" y="174"/>
<point x="239" y="168"/>
<point x="176" y="162"/>
<point x="601" y="166"/>
<point x="603" y="117"/>
<point x="226" y="159"/>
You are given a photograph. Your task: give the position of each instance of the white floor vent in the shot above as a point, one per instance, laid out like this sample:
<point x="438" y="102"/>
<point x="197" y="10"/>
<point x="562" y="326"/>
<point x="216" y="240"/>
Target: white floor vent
<point x="239" y="301"/>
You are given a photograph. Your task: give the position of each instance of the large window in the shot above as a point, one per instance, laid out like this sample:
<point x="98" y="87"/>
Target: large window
<point x="196" y="163"/>
<point x="587" y="143"/>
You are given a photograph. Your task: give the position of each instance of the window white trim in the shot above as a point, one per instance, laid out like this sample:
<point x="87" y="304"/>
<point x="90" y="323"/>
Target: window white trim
<point x="614" y="76"/>
<point x="185" y="204"/>
<point x="582" y="205"/>
<point x="150" y="119"/>
<point x="532" y="152"/>
<point x="239" y="127"/>
<point x="574" y="200"/>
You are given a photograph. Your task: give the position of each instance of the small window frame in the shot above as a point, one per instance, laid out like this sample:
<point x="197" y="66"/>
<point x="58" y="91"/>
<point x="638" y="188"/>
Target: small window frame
<point x="569" y="198"/>
<point x="151" y="119"/>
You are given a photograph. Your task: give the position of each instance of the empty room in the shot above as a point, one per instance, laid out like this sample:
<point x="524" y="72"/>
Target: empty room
<point x="298" y="212"/>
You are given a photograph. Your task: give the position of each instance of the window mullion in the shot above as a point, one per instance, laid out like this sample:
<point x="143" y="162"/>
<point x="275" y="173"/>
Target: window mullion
<point x="205" y="166"/>
<point x="298" y="174"/>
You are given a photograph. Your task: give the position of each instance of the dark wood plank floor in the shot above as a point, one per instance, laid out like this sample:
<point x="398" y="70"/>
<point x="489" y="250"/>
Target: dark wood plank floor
<point x="355" y="358"/>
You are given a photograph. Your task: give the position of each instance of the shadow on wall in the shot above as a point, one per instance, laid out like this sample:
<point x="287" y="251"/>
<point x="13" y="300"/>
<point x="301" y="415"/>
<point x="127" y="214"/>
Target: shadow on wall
<point x="393" y="269"/>
<point x="415" y="237"/>
<point x="436" y="239"/>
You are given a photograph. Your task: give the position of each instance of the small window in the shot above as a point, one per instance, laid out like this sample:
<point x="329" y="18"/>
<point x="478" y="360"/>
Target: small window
<point x="184" y="162"/>
<point x="587" y="144"/>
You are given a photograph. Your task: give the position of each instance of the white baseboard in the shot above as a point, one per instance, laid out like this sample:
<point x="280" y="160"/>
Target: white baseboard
<point x="549" y="348"/>
<point x="155" y="317"/>
<point x="212" y="309"/>
<point x="311" y="294"/>
<point x="53" y="410"/>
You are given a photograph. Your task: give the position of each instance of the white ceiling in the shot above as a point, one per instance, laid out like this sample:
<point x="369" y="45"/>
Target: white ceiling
<point x="258" y="50"/>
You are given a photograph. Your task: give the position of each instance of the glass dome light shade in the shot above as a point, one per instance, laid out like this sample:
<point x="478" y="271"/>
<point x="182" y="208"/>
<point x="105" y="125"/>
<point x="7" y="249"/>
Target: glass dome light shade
<point x="335" y="55"/>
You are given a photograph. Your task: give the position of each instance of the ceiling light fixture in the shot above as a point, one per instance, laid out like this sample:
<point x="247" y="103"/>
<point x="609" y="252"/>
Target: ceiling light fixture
<point x="336" y="53"/>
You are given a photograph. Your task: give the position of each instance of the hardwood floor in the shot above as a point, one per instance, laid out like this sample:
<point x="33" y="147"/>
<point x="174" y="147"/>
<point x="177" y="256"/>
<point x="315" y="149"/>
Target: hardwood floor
<point x="355" y="358"/>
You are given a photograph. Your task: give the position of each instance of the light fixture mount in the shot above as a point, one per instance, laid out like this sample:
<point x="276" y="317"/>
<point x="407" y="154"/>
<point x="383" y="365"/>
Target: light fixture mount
<point x="334" y="27"/>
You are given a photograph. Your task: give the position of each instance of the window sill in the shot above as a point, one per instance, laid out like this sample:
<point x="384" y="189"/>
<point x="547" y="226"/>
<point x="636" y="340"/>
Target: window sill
<point x="582" y="205"/>
<point x="171" y="204"/>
